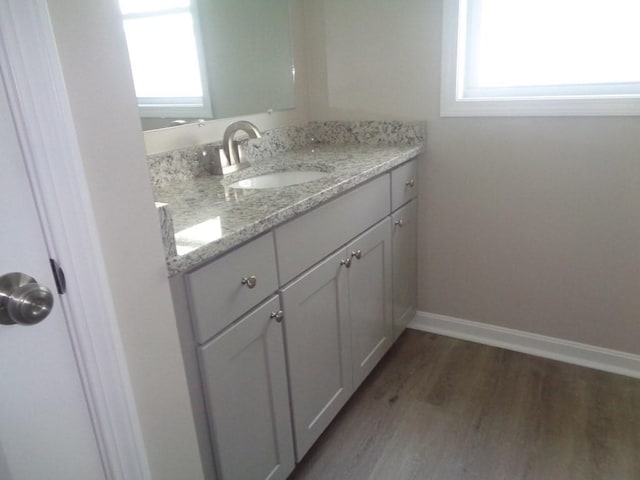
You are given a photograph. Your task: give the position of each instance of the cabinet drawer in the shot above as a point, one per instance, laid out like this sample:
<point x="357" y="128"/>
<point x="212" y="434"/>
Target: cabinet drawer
<point x="308" y="239"/>
<point x="216" y="293"/>
<point x="404" y="184"/>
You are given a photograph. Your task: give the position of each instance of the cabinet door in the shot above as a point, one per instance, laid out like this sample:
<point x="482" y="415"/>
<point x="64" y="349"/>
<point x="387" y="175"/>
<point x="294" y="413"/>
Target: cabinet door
<point x="369" y="287"/>
<point x="245" y="383"/>
<point x="405" y="270"/>
<point x="318" y="349"/>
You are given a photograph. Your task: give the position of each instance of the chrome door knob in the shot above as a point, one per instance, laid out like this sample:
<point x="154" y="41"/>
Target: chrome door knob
<point x="346" y="263"/>
<point x="23" y="301"/>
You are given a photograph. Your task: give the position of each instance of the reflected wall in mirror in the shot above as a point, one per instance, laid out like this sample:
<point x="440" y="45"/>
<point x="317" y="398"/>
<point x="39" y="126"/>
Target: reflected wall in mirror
<point x="209" y="59"/>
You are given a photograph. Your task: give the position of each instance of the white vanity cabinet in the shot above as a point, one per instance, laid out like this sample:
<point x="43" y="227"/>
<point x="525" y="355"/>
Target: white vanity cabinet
<point x="285" y="328"/>
<point x="405" y="266"/>
<point x="369" y="290"/>
<point x="223" y="290"/>
<point x="404" y="186"/>
<point x="245" y="383"/>
<point x="239" y="368"/>
<point x="306" y="240"/>
<point x="337" y="328"/>
<point x="318" y="348"/>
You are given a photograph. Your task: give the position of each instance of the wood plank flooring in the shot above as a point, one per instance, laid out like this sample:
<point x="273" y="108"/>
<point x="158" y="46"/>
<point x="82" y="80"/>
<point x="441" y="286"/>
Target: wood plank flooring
<point x="438" y="408"/>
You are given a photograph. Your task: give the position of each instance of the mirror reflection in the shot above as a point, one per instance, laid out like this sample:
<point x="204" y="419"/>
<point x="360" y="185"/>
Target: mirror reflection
<point x="208" y="59"/>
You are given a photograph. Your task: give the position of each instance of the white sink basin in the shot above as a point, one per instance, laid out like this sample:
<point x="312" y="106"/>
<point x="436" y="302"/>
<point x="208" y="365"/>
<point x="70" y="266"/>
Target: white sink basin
<point x="279" y="179"/>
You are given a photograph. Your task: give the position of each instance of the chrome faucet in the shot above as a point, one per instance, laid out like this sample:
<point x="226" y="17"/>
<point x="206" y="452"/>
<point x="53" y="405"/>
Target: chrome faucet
<point x="231" y="150"/>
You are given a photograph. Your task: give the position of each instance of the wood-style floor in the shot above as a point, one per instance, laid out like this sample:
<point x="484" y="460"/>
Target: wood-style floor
<point x="444" y="409"/>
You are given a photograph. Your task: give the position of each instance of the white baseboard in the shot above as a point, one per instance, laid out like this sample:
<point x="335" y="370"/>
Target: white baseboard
<point x="548" y="347"/>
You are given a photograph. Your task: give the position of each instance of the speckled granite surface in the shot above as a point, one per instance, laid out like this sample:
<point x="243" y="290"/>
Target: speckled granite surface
<point x="177" y="166"/>
<point x="210" y="218"/>
<point x="367" y="133"/>
<point x="166" y="226"/>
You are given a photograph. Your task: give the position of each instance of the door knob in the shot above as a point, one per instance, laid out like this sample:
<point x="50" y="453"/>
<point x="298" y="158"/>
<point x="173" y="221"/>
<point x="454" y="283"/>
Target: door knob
<point x="23" y="301"/>
<point x="346" y="263"/>
<point x="250" y="282"/>
<point x="277" y="316"/>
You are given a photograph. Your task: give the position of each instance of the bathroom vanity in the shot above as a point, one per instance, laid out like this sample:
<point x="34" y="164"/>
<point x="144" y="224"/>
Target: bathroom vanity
<point x="294" y="293"/>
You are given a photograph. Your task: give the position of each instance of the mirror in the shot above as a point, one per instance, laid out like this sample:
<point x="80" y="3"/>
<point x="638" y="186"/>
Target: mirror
<point x="209" y="59"/>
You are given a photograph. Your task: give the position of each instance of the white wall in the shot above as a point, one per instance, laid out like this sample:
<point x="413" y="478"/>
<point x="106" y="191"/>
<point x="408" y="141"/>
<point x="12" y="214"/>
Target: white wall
<point x="527" y="223"/>
<point x="91" y="46"/>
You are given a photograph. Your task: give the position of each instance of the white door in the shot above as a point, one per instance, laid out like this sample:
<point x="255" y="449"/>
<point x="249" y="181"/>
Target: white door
<point x="45" y="428"/>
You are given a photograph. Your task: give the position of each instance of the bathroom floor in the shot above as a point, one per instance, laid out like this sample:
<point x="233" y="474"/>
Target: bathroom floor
<point x="438" y="408"/>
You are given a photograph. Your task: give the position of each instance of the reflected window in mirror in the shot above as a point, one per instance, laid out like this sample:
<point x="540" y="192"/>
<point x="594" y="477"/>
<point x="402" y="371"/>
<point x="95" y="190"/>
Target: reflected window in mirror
<point x="236" y="57"/>
<point x="163" y="42"/>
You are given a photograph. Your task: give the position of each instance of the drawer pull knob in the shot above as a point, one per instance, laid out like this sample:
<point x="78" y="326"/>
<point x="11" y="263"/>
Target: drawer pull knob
<point x="277" y="316"/>
<point x="346" y="263"/>
<point x="357" y="254"/>
<point x="399" y="223"/>
<point x="410" y="183"/>
<point x="250" y="282"/>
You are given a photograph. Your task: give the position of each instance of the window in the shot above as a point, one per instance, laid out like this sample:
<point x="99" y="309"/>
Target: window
<point x="165" y="60"/>
<point x="540" y="57"/>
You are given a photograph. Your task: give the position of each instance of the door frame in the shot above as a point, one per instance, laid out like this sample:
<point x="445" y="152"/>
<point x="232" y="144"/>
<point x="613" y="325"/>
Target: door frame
<point x="40" y="108"/>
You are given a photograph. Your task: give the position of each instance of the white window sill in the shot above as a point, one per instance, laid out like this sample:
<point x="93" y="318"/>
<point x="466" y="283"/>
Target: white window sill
<point x="450" y="107"/>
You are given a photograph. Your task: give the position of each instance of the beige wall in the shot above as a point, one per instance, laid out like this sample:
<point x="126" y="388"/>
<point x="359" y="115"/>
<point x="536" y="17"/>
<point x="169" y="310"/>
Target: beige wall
<point x="91" y="46"/>
<point x="527" y="223"/>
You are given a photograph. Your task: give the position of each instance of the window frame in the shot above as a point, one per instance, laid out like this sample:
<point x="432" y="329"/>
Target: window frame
<point x="454" y="103"/>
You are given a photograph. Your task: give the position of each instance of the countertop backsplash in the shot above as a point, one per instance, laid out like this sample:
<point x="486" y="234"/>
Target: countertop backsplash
<point x="368" y="132"/>
<point x="192" y="162"/>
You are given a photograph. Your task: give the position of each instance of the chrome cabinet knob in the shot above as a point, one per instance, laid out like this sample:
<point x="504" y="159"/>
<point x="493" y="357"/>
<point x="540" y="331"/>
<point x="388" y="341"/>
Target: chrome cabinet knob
<point x="357" y="254"/>
<point x="346" y="263"/>
<point x="277" y="316"/>
<point x="250" y="282"/>
<point x="23" y="301"/>
<point x="410" y="183"/>
<point x="399" y="223"/>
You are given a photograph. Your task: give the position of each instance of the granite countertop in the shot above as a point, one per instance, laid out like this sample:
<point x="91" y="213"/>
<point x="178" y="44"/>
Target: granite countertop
<point x="210" y="218"/>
